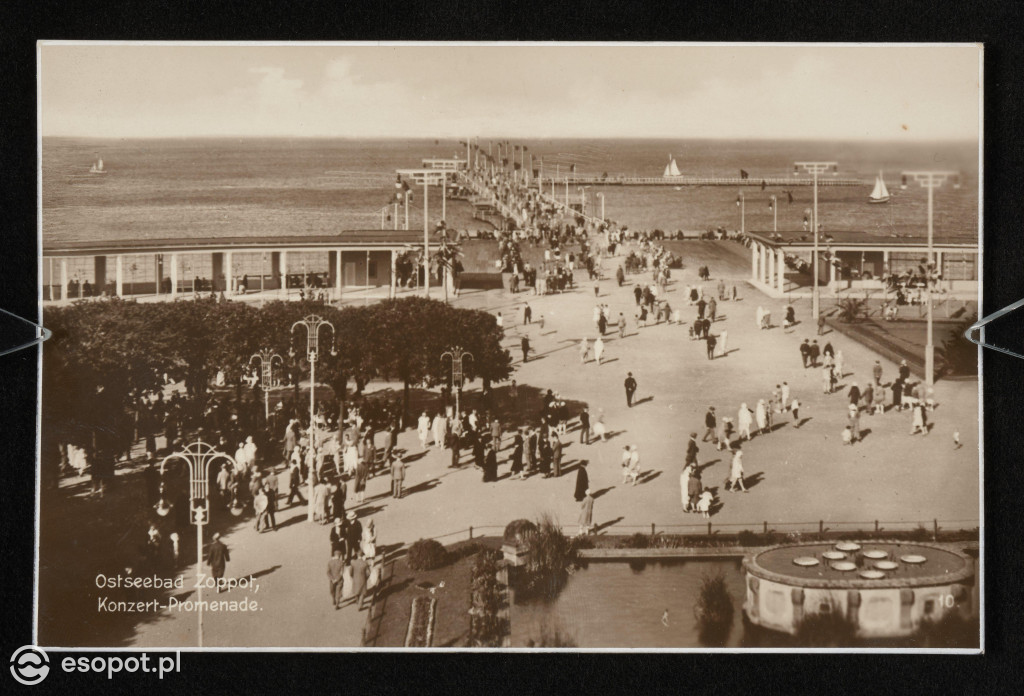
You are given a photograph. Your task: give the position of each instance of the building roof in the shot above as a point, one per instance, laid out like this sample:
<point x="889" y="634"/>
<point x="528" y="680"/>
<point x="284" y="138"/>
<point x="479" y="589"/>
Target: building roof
<point x="385" y="239"/>
<point x="903" y="564"/>
<point x="859" y="239"/>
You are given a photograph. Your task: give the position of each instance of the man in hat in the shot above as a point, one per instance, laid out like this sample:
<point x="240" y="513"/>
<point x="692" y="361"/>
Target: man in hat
<point x="353" y="534"/>
<point x="710" y="426"/>
<point x="630" y="386"/>
<point x="692" y="449"/>
<point x="397" y="476"/>
<point x="217" y="557"/>
<point x="337" y="537"/>
<point x="876" y="371"/>
<point x="335" y="570"/>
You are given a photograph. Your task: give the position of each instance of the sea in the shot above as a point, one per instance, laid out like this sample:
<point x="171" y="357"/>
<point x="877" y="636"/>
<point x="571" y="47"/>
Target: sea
<point x="206" y="187"/>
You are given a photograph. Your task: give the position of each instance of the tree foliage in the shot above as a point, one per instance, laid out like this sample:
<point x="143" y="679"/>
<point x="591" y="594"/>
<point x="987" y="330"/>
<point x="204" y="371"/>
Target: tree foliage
<point x="104" y="354"/>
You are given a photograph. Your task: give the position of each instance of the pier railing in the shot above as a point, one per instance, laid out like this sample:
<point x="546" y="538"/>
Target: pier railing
<point x="932" y="528"/>
<point x="706" y="181"/>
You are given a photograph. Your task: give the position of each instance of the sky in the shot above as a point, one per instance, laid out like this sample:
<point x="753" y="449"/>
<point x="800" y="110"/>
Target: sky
<point x="850" y="92"/>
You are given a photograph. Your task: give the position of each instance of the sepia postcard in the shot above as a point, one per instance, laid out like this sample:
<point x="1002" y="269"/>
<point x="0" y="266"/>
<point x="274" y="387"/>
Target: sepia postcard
<point x="509" y="346"/>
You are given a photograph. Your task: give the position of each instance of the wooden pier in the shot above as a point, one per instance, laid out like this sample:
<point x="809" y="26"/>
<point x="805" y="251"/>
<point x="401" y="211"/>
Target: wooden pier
<point x="701" y="181"/>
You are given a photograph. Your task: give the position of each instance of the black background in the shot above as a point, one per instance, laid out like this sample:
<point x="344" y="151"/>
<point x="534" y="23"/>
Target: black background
<point x="996" y="24"/>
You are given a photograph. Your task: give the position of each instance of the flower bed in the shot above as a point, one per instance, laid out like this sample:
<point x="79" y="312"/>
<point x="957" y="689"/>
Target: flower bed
<point x="421" y="623"/>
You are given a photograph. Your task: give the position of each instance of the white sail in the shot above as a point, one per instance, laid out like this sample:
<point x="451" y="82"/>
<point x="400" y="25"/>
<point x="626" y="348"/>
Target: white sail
<point x="668" y="170"/>
<point x="98" y="167"/>
<point x="675" y="169"/>
<point x="880" y="194"/>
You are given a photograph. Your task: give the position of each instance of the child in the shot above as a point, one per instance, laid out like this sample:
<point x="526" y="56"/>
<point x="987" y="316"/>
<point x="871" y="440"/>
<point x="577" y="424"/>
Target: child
<point x="847" y="436"/>
<point x="704" y="503"/>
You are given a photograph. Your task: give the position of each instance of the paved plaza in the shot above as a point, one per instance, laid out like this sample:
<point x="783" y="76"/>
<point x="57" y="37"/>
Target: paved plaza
<point x="800" y="475"/>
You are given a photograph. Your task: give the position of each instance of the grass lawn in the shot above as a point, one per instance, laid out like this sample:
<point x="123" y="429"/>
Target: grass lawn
<point x="394" y="603"/>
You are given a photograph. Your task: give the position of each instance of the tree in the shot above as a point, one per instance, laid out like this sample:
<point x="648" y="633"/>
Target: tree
<point x="958" y="355"/>
<point x="851" y="309"/>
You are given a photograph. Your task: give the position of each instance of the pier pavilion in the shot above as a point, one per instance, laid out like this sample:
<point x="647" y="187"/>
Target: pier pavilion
<point x="863" y="259"/>
<point x="350" y="259"/>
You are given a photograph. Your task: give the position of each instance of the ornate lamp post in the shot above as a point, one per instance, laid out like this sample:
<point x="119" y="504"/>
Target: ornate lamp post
<point x="313" y="323"/>
<point x="198" y="457"/>
<point x="930" y="180"/>
<point x="815" y="168"/>
<point x="457" y="355"/>
<point x="266" y="358"/>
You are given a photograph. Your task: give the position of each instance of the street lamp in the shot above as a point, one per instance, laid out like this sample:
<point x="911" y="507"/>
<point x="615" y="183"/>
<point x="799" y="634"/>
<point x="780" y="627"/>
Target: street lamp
<point x="313" y="324"/>
<point x="930" y="180"/>
<point x="742" y="205"/>
<point x="198" y="456"/>
<point x="457" y="355"/>
<point x="601" y="196"/>
<point x="815" y="168"/>
<point x="266" y="358"/>
<point x="773" y="205"/>
<point x="583" y="198"/>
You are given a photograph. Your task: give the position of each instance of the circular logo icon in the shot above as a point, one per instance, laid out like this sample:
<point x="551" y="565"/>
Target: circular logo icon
<point x="29" y="665"/>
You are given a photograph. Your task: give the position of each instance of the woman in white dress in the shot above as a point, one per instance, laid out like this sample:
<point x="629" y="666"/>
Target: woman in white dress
<point x="598" y="349"/>
<point x="743" y="422"/>
<point x="736" y="472"/>
<point x="440" y="430"/>
<point x="423" y="429"/>
<point x="368" y="544"/>
<point x="350" y="456"/>
<point x="761" y="414"/>
<point x="584" y="350"/>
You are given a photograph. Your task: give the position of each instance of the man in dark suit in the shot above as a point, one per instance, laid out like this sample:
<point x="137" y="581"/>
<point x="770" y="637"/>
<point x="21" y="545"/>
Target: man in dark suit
<point x="805" y="352"/>
<point x="710" y="426"/>
<point x="338" y="537"/>
<point x="335" y="568"/>
<point x="217" y="557"/>
<point x="585" y="425"/>
<point x="630" y="385"/>
<point x="353" y="535"/>
<point x="692" y="449"/>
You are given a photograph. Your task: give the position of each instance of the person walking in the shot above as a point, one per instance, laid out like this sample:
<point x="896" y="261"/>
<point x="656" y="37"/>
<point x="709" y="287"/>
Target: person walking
<point x="217" y="557"/>
<point x="621" y="325"/>
<point x="556" y="455"/>
<point x="397" y="476"/>
<point x="805" y="352"/>
<point x="692" y="449"/>
<point x="712" y="309"/>
<point x="743" y="422"/>
<point x="630" y="386"/>
<point x="795" y="408"/>
<point x="854" y="422"/>
<point x="821" y="324"/>
<point x="876" y="372"/>
<point x="785" y="396"/>
<point x="360" y="574"/>
<point x="422" y="429"/>
<point x="761" y="416"/>
<point x="815" y="351"/>
<point x="585" y="425"/>
<point x="711" y="343"/>
<point x="335" y="571"/>
<point x="826" y="379"/>
<point x="582" y="481"/>
<point x="584" y="350"/>
<point x="517" y="455"/>
<point x="527" y="314"/>
<point x="920" y="420"/>
<point x="710" y="426"/>
<point x="735" y="481"/>
<point x="524" y="343"/>
<point x="854" y="395"/>
<point x="598" y="349"/>
<point x="586" y="520"/>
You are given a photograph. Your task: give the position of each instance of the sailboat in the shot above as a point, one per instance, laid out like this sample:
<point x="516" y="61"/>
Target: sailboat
<point x="98" y="167"/>
<point x="880" y="194"/>
<point x="671" y="169"/>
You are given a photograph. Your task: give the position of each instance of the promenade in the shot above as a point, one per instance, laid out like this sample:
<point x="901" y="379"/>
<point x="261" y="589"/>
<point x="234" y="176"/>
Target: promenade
<point x="794" y="475"/>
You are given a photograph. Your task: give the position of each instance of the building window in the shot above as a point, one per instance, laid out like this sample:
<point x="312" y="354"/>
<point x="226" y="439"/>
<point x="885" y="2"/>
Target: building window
<point x="929" y="606"/>
<point x="959" y="266"/>
<point x="371" y="269"/>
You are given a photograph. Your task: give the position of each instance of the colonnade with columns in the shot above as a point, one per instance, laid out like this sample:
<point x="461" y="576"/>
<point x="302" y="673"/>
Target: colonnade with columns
<point x="768" y="266"/>
<point x="347" y="267"/>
